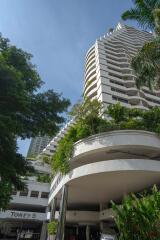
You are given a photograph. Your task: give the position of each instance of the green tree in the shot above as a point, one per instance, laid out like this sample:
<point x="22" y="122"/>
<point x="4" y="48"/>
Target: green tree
<point x="92" y="122"/>
<point x="139" y="217"/>
<point x="147" y="65"/>
<point x="24" y="112"/>
<point x="147" y="62"/>
<point x="88" y="121"/>
<point x="143" y="12"/>
<point x="117" y="112"/>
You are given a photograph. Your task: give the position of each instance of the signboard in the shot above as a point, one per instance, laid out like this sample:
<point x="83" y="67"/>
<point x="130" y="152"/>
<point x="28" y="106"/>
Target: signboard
<point x="9" y="214"/>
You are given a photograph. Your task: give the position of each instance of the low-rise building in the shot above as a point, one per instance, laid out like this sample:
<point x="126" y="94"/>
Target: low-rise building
<point x="27" y="213"/>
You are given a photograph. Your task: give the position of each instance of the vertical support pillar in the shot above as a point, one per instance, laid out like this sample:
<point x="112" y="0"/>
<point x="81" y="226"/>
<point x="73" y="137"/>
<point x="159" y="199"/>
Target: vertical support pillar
<point x="101" y="225"/>
<point x="44" y="232"/>
<point x="62" y="216"/>
<point x="77" y="231"/>
<point x="43" y="235"/>
<point x="53" y="209"/>
<point x="87" y="232"/>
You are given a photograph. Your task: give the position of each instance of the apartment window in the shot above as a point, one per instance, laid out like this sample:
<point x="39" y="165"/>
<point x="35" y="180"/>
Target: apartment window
<point x="34" y="194"/>
<point x="23" y="193"/>
<point x="44" y="195"/>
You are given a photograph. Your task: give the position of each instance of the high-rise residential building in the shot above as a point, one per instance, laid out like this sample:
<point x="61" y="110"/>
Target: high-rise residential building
<point x="37" y="145"/>
<point x="108" y="165"/>
<point x="50" y="149"/>
<point x="103" y="167"/>
<point x="108" y="74"/>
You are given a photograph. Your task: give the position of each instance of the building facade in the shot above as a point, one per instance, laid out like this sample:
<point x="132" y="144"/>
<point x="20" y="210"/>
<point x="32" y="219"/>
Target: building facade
<point x="26" y="217"/>
<point x="50" y="148"/>
<point x="108" y="74"/>
<point x="37" y="145"/>
<point x="109" y="165"/>
<point x="104" y="167"/>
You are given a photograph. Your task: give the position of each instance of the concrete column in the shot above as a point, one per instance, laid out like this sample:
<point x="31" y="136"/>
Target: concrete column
<point x="77" y="231"/>
<point x="101" y="226"/>
<point x="87" y="232"/>
<point x="62" y="216"/>
<point x="44" y="231"/>
<point x="102" y="207"/>
<point x="53" y="209"/>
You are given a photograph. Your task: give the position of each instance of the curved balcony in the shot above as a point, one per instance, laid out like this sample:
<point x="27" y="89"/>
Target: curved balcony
<point x="103" y="181"/>
<point x="90" y="74"/>
<point x="134" y="99"/>
<point x="89" y="59"/>
<point x="141" y="107"/>
<point x="90" y="50"/>
<point x="132" y="91"/>
<point x="121" y="144"/>
<point x="129" y="83"/>
<point x="106" y="166"/>
<point x="90" y="88"/>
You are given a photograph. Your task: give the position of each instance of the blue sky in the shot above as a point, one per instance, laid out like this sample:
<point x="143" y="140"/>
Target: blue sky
<point x="58" y="34"/>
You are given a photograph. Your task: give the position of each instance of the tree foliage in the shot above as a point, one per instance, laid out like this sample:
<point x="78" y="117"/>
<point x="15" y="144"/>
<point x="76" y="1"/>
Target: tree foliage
<point x="139" y="217"/>
<point x="89" y="121"/>
<point x="143" y="13"/>
<point x="24" y="113"/>
<point x="44" y="178"/>
<point x="52" y="227"/>
<point x="147" y="65"/>
<point x="147" y="62"/>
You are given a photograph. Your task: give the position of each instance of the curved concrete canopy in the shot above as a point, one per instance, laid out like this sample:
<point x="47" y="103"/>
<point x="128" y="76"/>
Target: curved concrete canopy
<point x="122" y="144"/>
<point x="102" y="181"/>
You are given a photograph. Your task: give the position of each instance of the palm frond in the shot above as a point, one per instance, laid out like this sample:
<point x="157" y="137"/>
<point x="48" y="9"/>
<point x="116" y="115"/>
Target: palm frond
<point x="143" y="13"/>
<point x="147" y="64"/>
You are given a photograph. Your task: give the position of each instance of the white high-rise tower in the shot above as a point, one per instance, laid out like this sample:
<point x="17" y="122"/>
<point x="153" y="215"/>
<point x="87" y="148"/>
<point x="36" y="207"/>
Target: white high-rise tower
<point x="108" y="73"/>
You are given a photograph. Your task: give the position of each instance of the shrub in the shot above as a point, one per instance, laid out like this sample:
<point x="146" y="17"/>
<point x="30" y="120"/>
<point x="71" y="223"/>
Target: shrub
<point x="52" y="227"/>
<point x="45" y="178"/>
<point x="139" y="217"/>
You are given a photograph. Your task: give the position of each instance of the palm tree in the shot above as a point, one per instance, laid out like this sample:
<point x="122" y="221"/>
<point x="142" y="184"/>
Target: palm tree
<point x="143" y="13"/>
<point x="147" y="63"/>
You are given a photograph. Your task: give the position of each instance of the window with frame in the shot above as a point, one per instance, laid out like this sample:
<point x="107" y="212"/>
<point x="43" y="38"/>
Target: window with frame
<point x="23" y="193"/>
<point x="44" y="195"/>
<point x="34" y="194"/>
